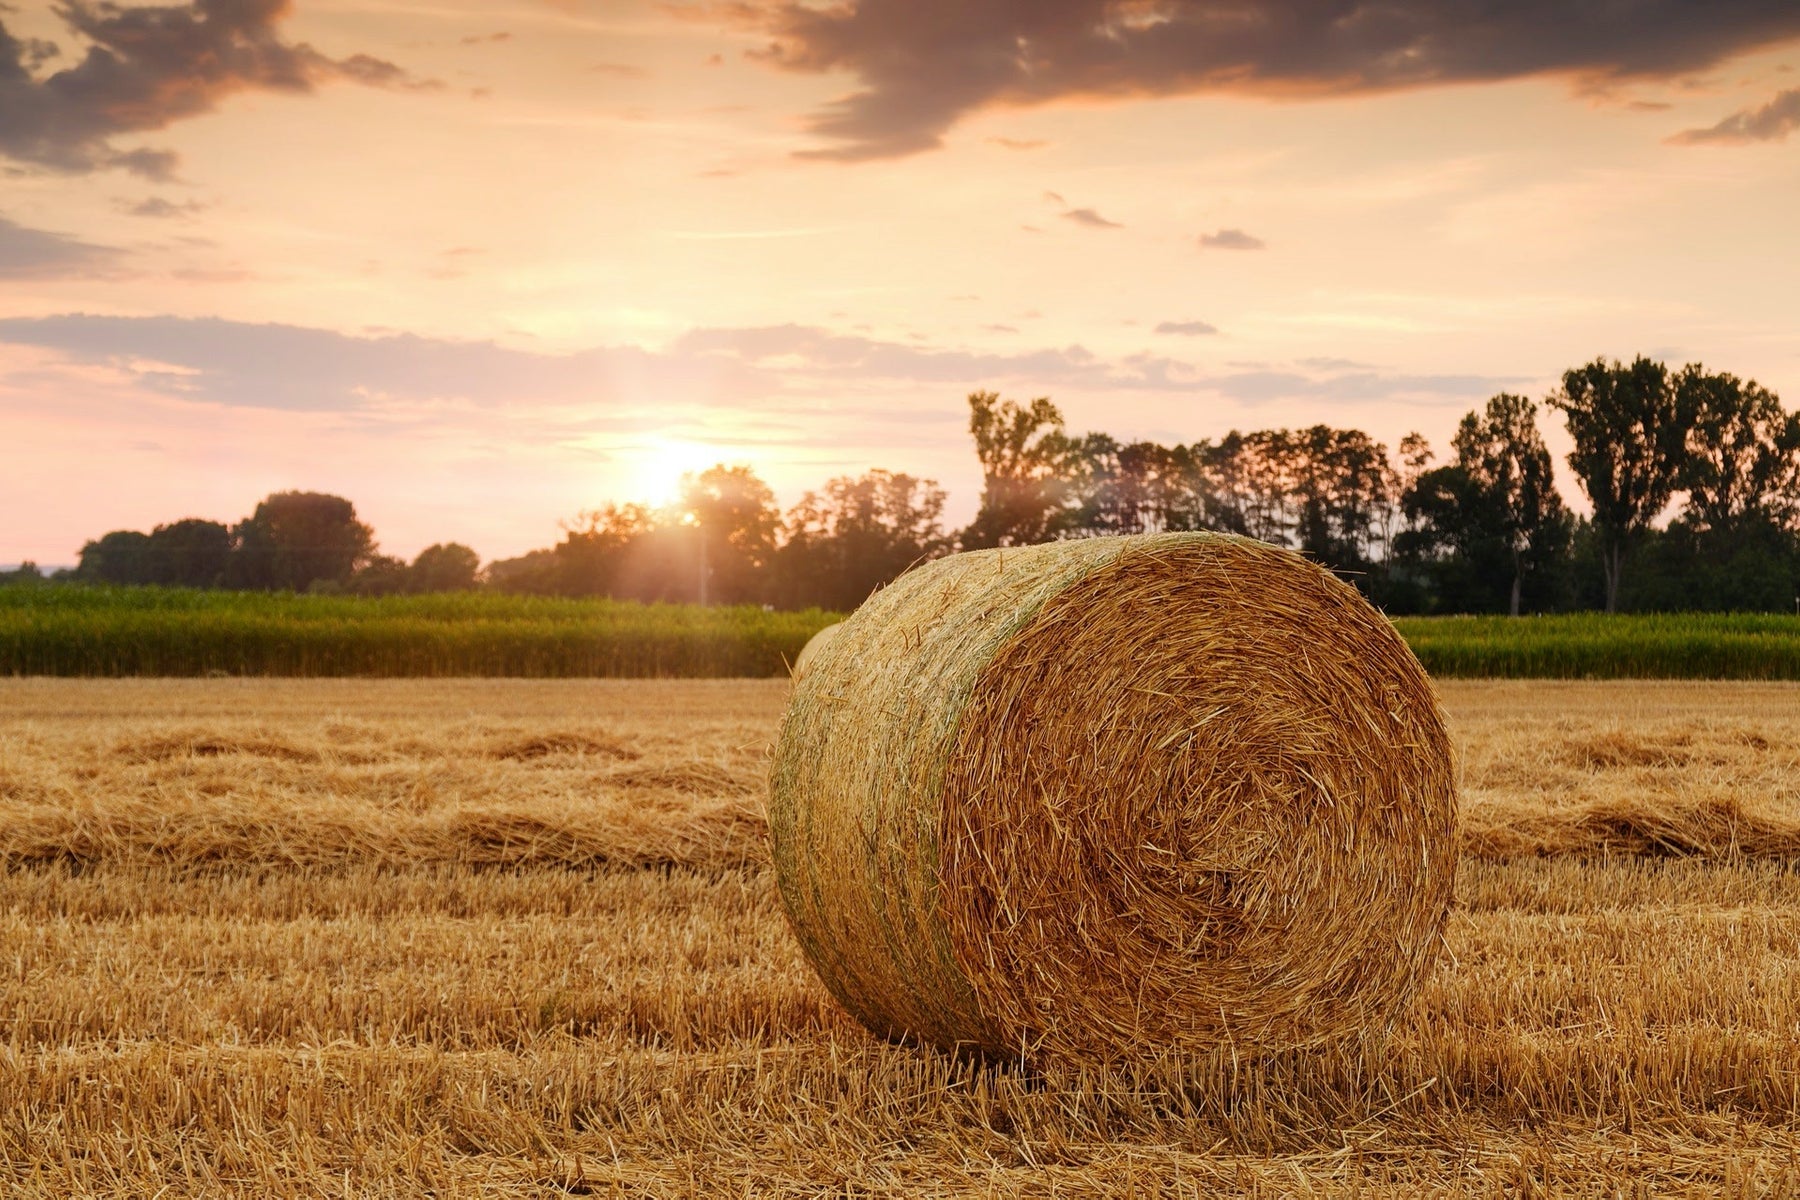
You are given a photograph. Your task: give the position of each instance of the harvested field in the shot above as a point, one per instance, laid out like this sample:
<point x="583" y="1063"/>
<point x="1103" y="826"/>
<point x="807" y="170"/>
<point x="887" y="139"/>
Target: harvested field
<point x="510" y="938"/>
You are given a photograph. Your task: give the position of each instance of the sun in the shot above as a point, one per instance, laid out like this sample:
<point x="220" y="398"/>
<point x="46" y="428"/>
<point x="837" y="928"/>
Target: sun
<point x="659" y="465"/>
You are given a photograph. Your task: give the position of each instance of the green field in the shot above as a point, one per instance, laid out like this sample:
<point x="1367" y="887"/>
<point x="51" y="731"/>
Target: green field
<point x="1602" y="646"/>
<point x="69" y="630"/>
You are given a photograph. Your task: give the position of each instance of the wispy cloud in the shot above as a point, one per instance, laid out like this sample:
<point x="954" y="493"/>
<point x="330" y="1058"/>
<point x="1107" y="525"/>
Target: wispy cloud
<point x="1772" y="122"/>
<point x="733" y="235"/>
<point x="1090" y="218"/>
<point x="1080" y="216"/>
<point x="40" y="254"/>
<point x="1186" y="328"/>
<point x="295" y="369"/>
<point x="1328" y="363"/>
<point x="1358" y="387"/>
<point x="162" y="209"/>
<point x="1231" y="239"/>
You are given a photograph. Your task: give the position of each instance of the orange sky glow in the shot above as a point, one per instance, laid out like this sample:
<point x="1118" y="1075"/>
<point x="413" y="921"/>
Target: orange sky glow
<point x="482" y="264"/>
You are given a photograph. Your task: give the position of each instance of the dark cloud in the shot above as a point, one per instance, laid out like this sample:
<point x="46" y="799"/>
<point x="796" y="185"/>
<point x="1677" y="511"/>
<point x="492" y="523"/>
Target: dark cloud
<point x="1090" y="218"/>
<point x="924" y="64"/>
<point x="40" y="254"/>
<point x="158" y="166"/>
<point x="475" y="39"/>
<point x="1231" y="239"/>
<point x="145" y="68"/>
<point x="1770" y="123"/>
<point x="1187" y="328"/>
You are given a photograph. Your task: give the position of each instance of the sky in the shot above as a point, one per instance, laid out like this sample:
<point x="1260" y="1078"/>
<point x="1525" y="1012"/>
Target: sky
<point x="479" y="265"/>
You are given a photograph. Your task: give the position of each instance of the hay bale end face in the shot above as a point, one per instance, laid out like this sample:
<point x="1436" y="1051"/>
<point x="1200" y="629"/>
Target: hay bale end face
<point x="1113" y="799"/>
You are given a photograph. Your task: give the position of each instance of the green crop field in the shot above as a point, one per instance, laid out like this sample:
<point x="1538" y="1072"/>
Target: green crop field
<point x="66" y="630"/>
<point x="1602" y="646"/>
<point x="69" y="630"/>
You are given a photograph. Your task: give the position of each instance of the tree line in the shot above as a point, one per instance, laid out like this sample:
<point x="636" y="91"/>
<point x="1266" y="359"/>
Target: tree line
<point x="293" y="541"/>
<point x="1692" y="478"/>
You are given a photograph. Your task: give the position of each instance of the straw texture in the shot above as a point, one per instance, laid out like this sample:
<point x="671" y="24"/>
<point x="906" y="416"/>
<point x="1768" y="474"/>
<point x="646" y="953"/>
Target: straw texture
<point x="1115" y="799"/>
<point x="814" y="644"/>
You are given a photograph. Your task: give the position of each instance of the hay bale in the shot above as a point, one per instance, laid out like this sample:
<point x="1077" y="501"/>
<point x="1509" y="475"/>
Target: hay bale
<point x="1116" y="798"/>
<point x="814" y="644"/>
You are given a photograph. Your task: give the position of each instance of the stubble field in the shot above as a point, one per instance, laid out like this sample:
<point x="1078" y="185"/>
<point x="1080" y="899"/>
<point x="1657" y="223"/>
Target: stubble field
<point x="369" y="937"/>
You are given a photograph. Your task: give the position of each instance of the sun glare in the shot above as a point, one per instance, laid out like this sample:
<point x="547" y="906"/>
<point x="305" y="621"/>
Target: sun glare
<point x="656" y="479"/>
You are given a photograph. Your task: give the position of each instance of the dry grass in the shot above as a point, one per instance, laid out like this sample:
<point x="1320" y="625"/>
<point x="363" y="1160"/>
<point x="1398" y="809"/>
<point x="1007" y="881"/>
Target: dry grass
<point x="275" y="938"/>
<point x="1604" y="768"/>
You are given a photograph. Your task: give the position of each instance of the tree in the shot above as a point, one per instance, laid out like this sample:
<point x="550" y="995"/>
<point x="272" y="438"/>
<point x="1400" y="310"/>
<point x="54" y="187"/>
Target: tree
<point x="1342" y="488"/>
<point x="1330" y="491"/>
<point x="1024" y="453"/>
<point x="381" y="575"/>
<point x="1507" y="463"/>
<point x="1490" y="521"/>
<point x="1454" y="531"/>
<point x="533" y="573"/>
<point x="855" y="535"/>
<point x="1416" y="456"/>
<point x="26" y="574"/>
<point x="189" y="553"/>
<point x="1743" y="453"/>
<point x="1138" y="487"/>
<point x="735" y="515"/>
<point x="296" y="539"/>
<point x="119" y="557"/>
<point x="1256" y="484"/>
<point x="444" y="567"/>
<point x="1223" y="483"/>
<point x="607" y="552"/>
<point x="1630" y="435"/>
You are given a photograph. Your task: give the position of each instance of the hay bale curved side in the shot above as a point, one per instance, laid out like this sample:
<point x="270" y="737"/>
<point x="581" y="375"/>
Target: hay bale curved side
<point x="814" y="644"/>
<point x="1114" y="798"/>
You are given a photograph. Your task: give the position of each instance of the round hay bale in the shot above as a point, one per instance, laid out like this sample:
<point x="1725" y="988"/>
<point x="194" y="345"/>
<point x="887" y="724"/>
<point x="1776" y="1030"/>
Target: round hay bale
<point x="1115" y="799"/>
<point x="814" y="644"/>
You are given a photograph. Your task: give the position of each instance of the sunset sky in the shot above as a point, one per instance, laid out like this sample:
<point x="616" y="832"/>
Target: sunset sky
<point x="481" y="264"/>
